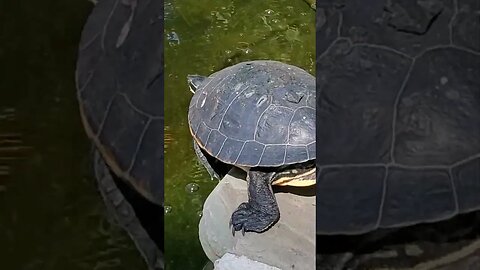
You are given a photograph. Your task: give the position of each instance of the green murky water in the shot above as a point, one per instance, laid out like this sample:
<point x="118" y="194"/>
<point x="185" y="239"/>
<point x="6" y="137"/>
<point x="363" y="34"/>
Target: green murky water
<point x="51" y="216"/>
<point x="203" y="37"/>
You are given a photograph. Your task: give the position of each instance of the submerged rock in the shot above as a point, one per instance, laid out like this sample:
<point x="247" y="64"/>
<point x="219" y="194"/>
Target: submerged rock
<point x="289" y="244"/>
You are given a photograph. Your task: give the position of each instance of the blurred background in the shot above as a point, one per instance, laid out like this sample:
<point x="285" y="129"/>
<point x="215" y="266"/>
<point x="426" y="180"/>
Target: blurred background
<point x="51" y="214"/>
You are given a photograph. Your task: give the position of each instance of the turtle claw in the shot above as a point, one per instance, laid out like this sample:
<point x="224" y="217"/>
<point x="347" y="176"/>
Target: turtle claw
<point x="250" y="219"/>
<point x="230" y="225"/>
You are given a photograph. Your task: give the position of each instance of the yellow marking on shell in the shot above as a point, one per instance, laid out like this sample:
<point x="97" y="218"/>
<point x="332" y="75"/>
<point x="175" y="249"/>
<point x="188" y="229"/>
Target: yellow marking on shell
<point x="294" y="183"/>
<point x="305" y="179"/>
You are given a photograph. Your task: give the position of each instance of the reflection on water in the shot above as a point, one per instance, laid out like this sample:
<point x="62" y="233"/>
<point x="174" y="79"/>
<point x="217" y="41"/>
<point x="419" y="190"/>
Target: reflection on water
<point x="12" y="146"/>
<point x="51" y="215"/>
<point x="203" y="37"/>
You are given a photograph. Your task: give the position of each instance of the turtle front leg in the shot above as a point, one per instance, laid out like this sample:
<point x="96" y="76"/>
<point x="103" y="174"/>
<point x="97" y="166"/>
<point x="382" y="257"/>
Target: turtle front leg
<point x="261" y="211"/>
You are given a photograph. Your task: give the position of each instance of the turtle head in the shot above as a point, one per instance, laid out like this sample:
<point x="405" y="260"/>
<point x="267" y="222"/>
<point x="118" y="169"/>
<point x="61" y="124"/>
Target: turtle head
<point x="194" y="81"/>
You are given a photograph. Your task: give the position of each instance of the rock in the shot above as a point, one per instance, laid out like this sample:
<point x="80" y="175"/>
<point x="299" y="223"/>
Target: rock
<point x="289" y="244"/>
<point x="232" y="262"/>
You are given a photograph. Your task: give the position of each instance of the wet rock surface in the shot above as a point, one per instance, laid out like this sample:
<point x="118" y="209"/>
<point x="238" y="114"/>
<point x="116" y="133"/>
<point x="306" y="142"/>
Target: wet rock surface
<point x="289" y="244"/>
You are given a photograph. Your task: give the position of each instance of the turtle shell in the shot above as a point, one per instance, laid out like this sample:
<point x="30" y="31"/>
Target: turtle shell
<point x="119" y="81"/>
<point x="258" y="113"/>
<point x="399" y="109"/>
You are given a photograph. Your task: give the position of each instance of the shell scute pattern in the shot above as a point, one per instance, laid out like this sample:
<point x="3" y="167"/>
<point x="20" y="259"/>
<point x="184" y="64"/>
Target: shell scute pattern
<point x="398" y="106"/>
<point x="119" y="81"/>
<point x="255" y="109"/>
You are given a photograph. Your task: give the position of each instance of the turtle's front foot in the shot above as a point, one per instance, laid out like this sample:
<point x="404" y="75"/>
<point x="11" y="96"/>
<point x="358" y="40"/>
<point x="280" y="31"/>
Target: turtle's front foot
<point x="248" y="218"/>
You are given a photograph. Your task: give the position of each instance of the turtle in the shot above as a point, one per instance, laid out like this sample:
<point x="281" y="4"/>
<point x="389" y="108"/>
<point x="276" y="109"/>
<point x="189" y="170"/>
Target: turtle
<point x="119" y="80"/>
<point x="258" y="116"/>
<point x="398" y="103"/>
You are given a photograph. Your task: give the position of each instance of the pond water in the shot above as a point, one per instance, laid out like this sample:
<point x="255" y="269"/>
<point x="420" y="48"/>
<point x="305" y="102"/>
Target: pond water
<point x="202" y="37"/>
<point x="51" y="215"/>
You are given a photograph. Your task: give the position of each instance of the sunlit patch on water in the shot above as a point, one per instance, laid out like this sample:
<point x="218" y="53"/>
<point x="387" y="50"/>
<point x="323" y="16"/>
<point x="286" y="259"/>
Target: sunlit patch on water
<point x="11" y="142"/>
<point x="4" y="170"/>
<point x="167" y="138"/>
<point x="7" y="114"/>
<point x="12" y="146"/>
